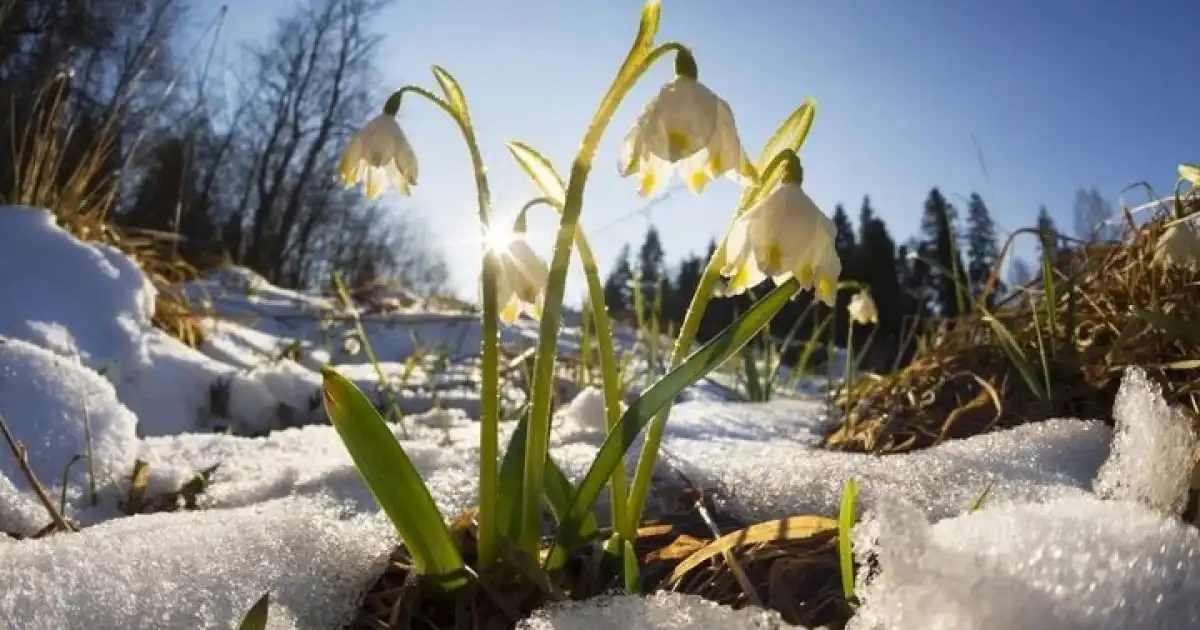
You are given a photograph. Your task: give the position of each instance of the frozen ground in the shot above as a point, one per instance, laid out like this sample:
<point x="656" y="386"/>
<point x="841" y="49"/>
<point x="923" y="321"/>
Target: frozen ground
<point x="1079" y="529"/>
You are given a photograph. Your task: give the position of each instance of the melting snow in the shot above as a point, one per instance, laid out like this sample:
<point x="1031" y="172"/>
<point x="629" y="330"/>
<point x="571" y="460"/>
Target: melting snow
<point x="285" y="512"/>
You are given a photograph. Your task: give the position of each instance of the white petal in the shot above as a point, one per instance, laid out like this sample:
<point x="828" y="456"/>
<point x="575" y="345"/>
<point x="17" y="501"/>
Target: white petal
<point x="532" y="272"/>
<point x="686" y="110"/>
<point x="631" y="151"/>
<point x="736" y="243"/>
<point x="655" y="173"/>
<point x="725" y="149"/>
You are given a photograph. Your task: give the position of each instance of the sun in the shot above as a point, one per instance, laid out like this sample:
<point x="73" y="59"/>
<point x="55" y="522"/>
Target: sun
<point x="499" y="238"/>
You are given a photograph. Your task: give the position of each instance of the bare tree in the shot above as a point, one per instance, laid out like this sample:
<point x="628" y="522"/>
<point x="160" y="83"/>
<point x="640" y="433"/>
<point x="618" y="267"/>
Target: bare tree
<point x="1093" y="217"/>
<point x="315" y="73"/>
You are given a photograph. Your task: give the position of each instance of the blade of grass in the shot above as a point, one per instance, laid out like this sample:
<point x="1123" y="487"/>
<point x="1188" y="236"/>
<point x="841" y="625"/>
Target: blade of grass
<point x="256" y="617"/>
<point x="393" y="480"/>
<point x="845" y="523"/>
<point x="1015" y="354"/>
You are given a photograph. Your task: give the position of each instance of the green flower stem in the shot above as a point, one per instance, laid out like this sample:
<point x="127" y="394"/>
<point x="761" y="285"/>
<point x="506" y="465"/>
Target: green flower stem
<point x="489" y="421"/>
<point x="848" y="374"/>
<point x="683" y="343"/>
<point x="618" y="486"/>
<point x="537" y="440"/>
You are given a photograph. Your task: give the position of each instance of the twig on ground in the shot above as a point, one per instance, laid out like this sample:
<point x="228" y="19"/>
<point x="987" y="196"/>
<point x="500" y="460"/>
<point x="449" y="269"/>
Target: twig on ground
<point x="18" y="450"/>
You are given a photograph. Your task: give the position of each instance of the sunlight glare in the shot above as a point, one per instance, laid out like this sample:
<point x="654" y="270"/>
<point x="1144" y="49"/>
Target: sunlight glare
<point x="499" y="237"/>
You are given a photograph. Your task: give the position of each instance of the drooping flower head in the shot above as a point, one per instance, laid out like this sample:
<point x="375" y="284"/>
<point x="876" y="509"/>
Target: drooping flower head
<point x="521" y="278"/>
<point x="862" y="309"/>
<point x="782" y="236"/>
<point x="380" y="154"/>
<point x="686" y="126"/>
<point x="1179" y="246"/>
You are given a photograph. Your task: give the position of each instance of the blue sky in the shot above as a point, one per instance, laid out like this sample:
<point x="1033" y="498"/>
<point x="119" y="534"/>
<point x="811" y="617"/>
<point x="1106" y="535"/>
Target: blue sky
<point x="1058" y="94"/>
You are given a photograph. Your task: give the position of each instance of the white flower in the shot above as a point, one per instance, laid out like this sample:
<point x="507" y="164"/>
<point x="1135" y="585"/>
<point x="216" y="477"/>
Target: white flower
<point x="1180" y="245"/>
<point x="686" y="126"/>
<point x="379" y="154"/>
<point x="785" y="235"/>
<point x="352" y="345"/>
<point x="862" y="309"/>
<point x="521" y="281"/>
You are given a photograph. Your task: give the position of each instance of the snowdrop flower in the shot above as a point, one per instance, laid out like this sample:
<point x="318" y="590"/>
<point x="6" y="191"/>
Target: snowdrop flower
<point x="688" y="127"/>
<point x="1180" y="245"/>
<point x="521" y="281"/>
<point x="1191" y="173"/>
<point x="379" y="154"/>
<point x="352" y="345"/>
<point x="784" y="235"/>
<point x="862" y="309"/>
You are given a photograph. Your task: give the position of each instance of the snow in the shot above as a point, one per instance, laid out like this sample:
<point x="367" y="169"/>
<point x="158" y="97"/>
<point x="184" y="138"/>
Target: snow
<point x="197" y="570"/>
<point x="1154" y="450"/>
<point x="660" y="611"/>
<point x="50" y="404"/>
<point x="1071" y="563"/>
<point x="1079" y="528"/>
<point x="1029" y="463"/>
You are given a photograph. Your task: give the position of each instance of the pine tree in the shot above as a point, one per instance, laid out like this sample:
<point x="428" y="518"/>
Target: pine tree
<point x="982" y="249"/>
<point x="687" y="280"/>
<point x="844" y="242"/>
<point x="866" y="214"/>
<point x="617" y="286"/>
<point x="938" y="225"/>
<point x="1047" y="236"/>
<point x="877" y="255"/>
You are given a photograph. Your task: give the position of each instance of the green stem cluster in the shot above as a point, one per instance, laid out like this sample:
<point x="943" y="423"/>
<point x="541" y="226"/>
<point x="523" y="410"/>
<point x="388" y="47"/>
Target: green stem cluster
<point x="609" y="373"/>
<point x="489" y="421"/>
<point x="537" y="441"/>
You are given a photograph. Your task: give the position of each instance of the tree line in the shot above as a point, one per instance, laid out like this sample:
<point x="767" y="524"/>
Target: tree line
<point x="933" y="276"/>
<point x="220" y="154"/>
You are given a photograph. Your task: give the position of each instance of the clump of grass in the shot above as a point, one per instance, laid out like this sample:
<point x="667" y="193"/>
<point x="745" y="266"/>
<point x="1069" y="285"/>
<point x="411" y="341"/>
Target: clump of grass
<point x="75" y="175"/>
<point x="1054" y="348"/>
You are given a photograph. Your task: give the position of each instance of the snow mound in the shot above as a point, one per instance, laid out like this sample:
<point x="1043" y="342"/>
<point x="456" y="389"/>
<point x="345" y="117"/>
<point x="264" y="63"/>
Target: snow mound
<point x="769" y="479"/>
<point x="70" y="296"/>
<point x="20" y="513"/>
<point x="660" y="611"/>
<point x="1154" y="448"/>
<point x="197" y="570"/>
<point x="50" y="403"/>
<point x="1072" y="563"/>
<point x="311" y="461"/>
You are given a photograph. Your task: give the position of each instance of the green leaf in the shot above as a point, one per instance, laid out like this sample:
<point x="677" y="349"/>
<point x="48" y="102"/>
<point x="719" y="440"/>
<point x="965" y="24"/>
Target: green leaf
<point x="556" y="487"/>
<point x="393" y="480"/>
<point x="622" y="435"/>
<point x="454" y="95"/>
<point x="754" y="384"/>
<point x="1179" y="327"/>
<point x="1190" y="172"/>
<point x="845" y="523"/>
<point x="540" y="170"/>
<point x="1015" y="354"/>
<point x="790" y="136"/>
<point x="256" y="617"/>
<point x="978" y="502"/>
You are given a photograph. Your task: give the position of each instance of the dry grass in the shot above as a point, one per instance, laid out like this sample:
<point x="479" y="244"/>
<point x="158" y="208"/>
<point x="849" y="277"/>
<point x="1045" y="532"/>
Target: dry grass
<point x="793" y="571"/>
<point x="75" y="176"/>
<point x="964" y="383"/>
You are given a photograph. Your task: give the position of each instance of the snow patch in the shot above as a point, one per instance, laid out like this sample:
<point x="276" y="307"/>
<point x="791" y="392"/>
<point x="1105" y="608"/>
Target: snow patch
<point x="1154" y="448"/>
<point x="197" y="570"/>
